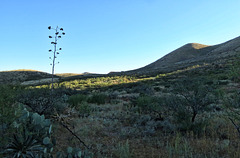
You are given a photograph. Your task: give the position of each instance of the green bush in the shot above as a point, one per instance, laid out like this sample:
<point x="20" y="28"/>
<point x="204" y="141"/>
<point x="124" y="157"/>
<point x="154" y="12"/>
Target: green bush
<point x="189" y="99"/>
<point x="84" y="109"/>
<point x="143" y="89"/>
<point x="183" y="120"/>
<point x="74" y="100"/>
<point x="98" y="98"/>
<point x="9" y="111"/>
<point x="154" y="106"/>
<point x="232" y="101"/>
<point x="234" y="70"/>
<point x="147" y="104"/>
<point x="43" y="101"/>
<point x="7" y="99"/>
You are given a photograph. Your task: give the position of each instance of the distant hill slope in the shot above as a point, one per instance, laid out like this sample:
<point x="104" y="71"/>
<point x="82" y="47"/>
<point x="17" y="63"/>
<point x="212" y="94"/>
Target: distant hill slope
<point x="34" y="77"/>
<point x="189" y="55"/>
<point x="18" y="76"/>
<point x="183" y="57"/>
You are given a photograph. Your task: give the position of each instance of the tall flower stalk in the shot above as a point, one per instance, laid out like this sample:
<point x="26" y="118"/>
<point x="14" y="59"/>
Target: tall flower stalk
<point x="55" y="51"/>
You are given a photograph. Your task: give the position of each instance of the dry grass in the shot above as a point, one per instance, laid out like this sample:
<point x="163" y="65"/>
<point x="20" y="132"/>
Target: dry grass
<point x="111" y="125"/>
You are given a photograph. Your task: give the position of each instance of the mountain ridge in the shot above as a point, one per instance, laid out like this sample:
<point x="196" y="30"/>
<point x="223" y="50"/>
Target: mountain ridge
<point x="188" y="55"/>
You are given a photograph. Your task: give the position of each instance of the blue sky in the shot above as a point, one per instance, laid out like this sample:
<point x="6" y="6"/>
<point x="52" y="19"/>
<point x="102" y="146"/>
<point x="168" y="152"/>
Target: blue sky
<point x="109" y="35"/>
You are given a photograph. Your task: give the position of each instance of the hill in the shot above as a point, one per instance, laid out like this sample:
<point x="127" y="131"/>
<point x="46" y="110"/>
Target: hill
<point x="186" y="56"/>
<point x="21" y="75"/>
<point x="34" y="77"/>
<point x="189" y="55"/>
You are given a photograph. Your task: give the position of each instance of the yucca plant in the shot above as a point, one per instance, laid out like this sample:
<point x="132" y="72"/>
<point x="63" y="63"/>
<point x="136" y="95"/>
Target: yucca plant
<point x="23" y="146"/>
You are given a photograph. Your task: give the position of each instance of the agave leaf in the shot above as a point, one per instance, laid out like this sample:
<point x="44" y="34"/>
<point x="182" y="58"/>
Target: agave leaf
<point x="50" y="129"/>
<point x="69" y="150"/>
<point x="45" y="150"/>
<point x="29" y="141"/>
<point x="30" y="154"/>
<point x="79" y="154"/>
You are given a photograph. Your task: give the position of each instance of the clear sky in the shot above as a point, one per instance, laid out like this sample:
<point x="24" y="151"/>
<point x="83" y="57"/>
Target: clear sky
<point x="109" y="35"/>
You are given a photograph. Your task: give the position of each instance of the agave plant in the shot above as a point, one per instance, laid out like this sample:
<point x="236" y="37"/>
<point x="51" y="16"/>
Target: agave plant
<point x="23" y="146"/>
<point x="32" y="138"/>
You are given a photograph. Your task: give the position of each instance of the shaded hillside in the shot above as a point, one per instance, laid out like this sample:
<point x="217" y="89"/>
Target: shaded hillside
<point x="189" y="55"/>
<point x="184" y="53"/>
<point x="18" y="76"/>
<point x="72" y="76"/>
<point x="33" y="77"/>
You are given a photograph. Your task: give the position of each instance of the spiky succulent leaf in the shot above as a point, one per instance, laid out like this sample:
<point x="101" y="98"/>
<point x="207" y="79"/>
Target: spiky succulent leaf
<point x="69" y="150"/>
<point x="22" y="146"/>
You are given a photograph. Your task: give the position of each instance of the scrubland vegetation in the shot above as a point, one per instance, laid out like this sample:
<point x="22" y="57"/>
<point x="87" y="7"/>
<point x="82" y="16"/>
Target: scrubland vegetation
<point x="189" y="113"/>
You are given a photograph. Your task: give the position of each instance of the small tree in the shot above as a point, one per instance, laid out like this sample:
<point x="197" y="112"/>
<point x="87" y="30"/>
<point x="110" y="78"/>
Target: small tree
<point x="189" y="99"/>
<point x="58" y="34"/>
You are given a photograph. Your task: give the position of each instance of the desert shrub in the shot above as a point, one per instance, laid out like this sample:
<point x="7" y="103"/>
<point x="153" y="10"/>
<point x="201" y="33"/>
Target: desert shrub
<point x="98" y="98"/>
<point x="79" y="102"/>
<point x="143" y="89"/>
<point x="147" y="104"/>
<point x="190" y="99"/>
<point x="7" y="99"/>
<point x="74" y="100"/>
<point x="155" y="106"/>
<point x="43" y="101"/>
<point x="9" y="111"/>
<point x="234" y="71"/>
<point x="232" y="100"/>
<point x="84" y="109"/>
<point x="157" y="89"/>
<point x="182" y="118"/>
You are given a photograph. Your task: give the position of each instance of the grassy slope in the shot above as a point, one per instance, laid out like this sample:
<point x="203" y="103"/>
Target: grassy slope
<point x="117" y="128"/>
<point x="114" y="127"/>
<point x="189" y="55"/>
